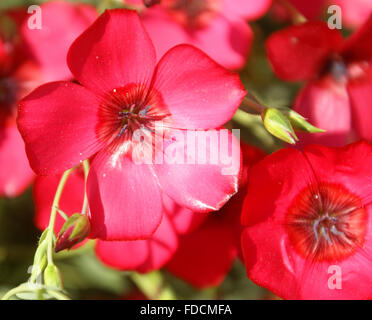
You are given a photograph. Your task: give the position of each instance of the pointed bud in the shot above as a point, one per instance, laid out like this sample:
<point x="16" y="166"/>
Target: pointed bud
<point x="299" y="123"/>
<point x="52" y="277"/>
<point x="150" y="3"/>
<point x="75" y="230"/>
<point x="278" y="125"/>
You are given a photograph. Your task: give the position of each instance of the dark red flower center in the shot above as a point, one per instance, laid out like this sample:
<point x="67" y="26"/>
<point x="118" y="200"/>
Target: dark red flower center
<point x="127" y="110"/>
<point x="327" y="223"/>
<point x="341" y="70"/>
<point x="193" y="13"/>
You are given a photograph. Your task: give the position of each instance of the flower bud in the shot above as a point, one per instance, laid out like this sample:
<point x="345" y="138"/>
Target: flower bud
<point x="150" y="3"/>
<point x="278" y="125"/>
<point x="75" y="230"/>
<point x="52" y="277"/>
<point x="299" y="123"/>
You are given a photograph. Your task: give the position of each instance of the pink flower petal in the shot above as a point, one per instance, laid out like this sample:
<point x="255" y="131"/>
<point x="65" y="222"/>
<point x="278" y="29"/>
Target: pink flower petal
<point x="15" y="172"/>
<point x="157" y="23"/>
<point x="57" y="122"/>
<point x="62" y="23"/>
<point x="114" y="51"/>
<point x="325" y="104"/>
<point x="124" y="198"/>
<point x="354" y="13"/>
<point x="298" y="52"/>
<point x="198" y="92"/>
<point x="140" y="255"/>
<point x="360" y="92"/>
<point x="227" y="40"/>
<point x="247" y="9"/>
<point x="202" y="174"/>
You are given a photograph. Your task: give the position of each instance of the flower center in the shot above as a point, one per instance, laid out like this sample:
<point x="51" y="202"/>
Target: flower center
<point x="336" y="67"/>
<point x="193" y="13"/>
<point x="327" y="224"/>
<point x="128" y="110"/>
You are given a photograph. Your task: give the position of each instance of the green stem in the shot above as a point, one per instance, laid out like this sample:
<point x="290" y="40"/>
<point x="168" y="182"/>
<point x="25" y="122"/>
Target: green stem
<point x="153" y="286"/>
<point x="20" y="289"/>
<point x="53" y="213"/>
<point x="251" y="105"/>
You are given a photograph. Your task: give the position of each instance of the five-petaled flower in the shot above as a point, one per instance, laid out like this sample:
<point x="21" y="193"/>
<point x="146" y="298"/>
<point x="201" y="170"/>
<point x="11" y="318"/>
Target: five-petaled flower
<point x="120" y="90"/>
<point x="307" y="213"/>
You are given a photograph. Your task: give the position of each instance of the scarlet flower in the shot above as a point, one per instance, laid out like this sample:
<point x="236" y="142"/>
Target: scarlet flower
<point x="199" y="247"/>
<point x="339" y="78"/>
<point x="217" y="27"/>
<point x="21" y="71"/>
<point x="307" y="218"/>
<point x="123" y="90"/>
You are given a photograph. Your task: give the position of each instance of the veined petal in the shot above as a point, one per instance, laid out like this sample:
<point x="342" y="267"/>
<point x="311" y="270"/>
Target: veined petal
<point x="57" y="122"/>
<point x="124" y="198"/>
<point x="113" y="52"/>
<point x="198" y="92"/>
<point x="200" y="169"/>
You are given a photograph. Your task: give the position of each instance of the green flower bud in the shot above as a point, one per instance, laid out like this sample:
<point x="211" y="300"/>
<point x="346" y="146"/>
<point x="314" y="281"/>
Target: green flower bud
<point x="299" y="123"/>
<point x="52" y="277"/>
<point x="278" y="125"/>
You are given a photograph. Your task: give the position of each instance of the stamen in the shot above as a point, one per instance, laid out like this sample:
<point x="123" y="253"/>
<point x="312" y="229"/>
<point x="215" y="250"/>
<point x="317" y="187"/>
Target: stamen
<point x="330" y="228"/>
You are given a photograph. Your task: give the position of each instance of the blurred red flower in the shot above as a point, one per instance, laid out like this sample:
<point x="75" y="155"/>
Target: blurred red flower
<point x="339" y="78"/>
<point x="217" y="27"/>
<point x="122" y="91"/>
<point x="27" y="59"/>
<point x="353" y="13"/>
<point x="307" y="214"/>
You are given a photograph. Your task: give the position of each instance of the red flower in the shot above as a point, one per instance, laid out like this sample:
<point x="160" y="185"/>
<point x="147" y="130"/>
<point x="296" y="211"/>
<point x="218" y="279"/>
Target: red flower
<point x="307" y="218"/>
<point x="353" y="13"/>
<point x="21" y="72"/>
<point x="217" y="27"/>
<point x="338" y="73"/>
<point x="122" y="91"/>
<point x="201" y="248"/>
